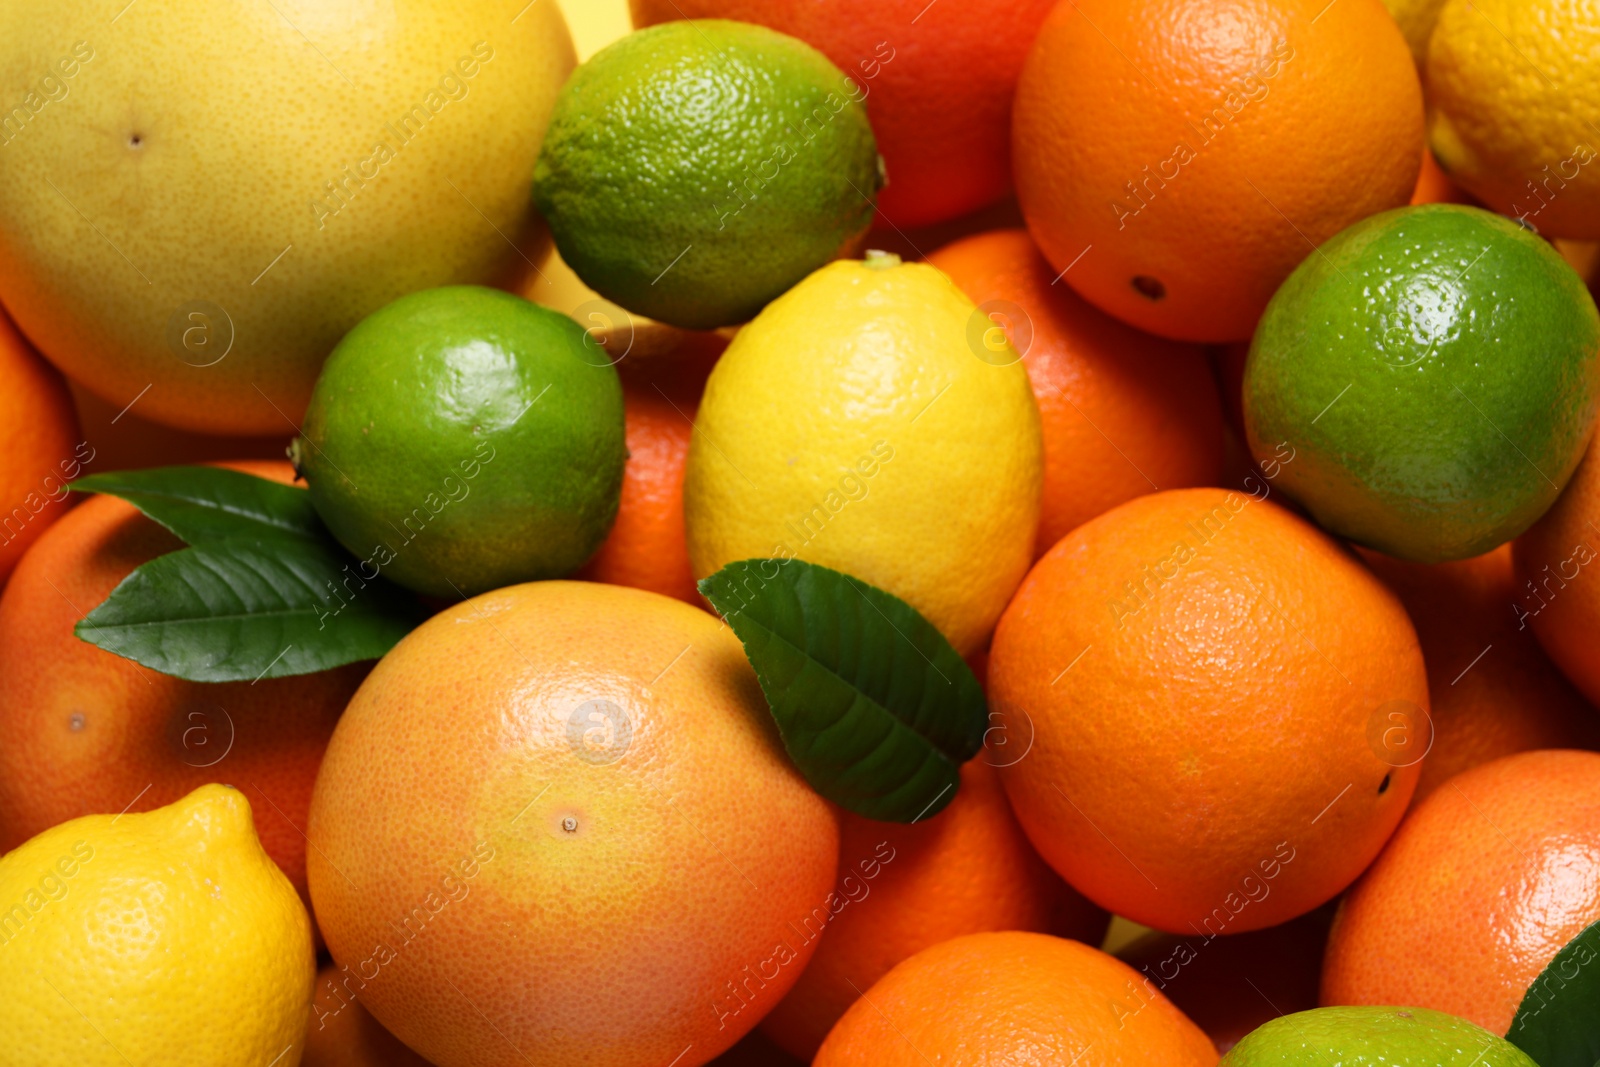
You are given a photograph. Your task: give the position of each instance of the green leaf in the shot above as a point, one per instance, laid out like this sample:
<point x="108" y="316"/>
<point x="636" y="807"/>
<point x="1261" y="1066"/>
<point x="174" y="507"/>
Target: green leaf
<point x="207" y="505"/>
<point x="264" y="592"/>
<point x="1558" y="1024"/>
<point x="875" y="707"/>
<point x="233" y="611"/>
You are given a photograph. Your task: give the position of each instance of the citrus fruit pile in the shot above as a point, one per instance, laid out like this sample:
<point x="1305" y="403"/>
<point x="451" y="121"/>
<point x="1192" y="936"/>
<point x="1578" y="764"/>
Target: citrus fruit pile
<point x="655" y="533"/>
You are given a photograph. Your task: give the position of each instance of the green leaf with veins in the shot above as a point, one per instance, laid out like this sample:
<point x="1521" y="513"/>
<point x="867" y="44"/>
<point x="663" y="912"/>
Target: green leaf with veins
<point x="265" y="591"/>
<point x="875" y="707"/>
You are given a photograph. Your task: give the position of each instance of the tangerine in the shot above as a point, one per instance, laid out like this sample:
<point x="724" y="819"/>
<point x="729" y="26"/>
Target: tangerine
<point x="1014" y="997"/>
<point x="1493" y="690"/>
<point x="904" y="888"/>
<point x="646" y="548"/>
<point x="1177" y="159"/>
<point x="39" y="438"/>
<point x="1208" y="677"/>
<point x="84" y="731"/>
<point x="342" y="1033"/>
<point x="1557" y="594"/>
<point x="1485" y="881"/>
<point x="1122" y="413"/>
<point x="937" y="80"/>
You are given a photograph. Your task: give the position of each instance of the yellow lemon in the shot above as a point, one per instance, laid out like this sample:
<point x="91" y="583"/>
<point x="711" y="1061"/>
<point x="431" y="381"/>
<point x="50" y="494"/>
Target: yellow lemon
<point x="872" y="420"/>
<point x="1514" y="96"/>
<point x="167" y="937"/>
<point x="1416" y="19"/>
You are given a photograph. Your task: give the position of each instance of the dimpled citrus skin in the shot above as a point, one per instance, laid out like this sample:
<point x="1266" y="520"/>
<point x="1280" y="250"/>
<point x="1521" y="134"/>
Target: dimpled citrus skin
<point x="1320" y="125"/>
<point x="1122" y="412"/>
<point x="853" y="425"/>
<point x="938" y="77"/>
<point x="85" y="731"/>
<point x="966" y="870"/>
<point x="1556" y="595"/>
<point x="1513" y="97"/>
<point x="696" y="170"/>
<point x="462" y="439"/>
<point x="1202" y="670"/>
<point x="1481" y="886"/>
<point x="202" y="138"/>
<point x="1014" y="998"/>
<point x="1468" y="355"/>
<point x="159" y="937"/>
<point x="39" y="438"/>
<point x="1493" y="689"/>
<point x="1374" y="1037"/>
<point x="598" y="913"/>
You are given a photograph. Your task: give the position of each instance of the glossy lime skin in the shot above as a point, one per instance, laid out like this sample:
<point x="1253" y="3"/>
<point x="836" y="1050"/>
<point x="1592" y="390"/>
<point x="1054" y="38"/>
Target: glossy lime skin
<point x="1435" y="371"/>
<point x="1373" y="1037"/>
<point x="739" y="149"/>
<point x="463" y="439"/>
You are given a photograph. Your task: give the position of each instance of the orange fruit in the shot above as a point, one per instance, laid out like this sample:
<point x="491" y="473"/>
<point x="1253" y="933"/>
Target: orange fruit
<point x="40" y="442"/>
<point x="646" y="548"/>
<point x="1014" y="998"/>
<point x="563" y="807"/>
<point x="1493" y="690"/>
<point x="937" y="80"/>
<point x="1435" y="187"/>
<point x="1176" y="159"/>
<point x="1203" y="671"/>
<point x="1210" y="979"/>
<point x="342" y="1033"/>
<point x="1556" y="596"/>
<point x="1123" y="413"/>
<point x="83" y="731"/>
<point x="1583" y="257"/>
<point x="903" y="888"/>
<point x="1481" y="886"/>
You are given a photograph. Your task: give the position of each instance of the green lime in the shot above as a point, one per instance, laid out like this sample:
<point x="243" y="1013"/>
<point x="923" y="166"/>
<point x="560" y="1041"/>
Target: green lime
<point x="462" y="439"/>
<point x="1373" y="1037"/>
<point x="695" y="171"/>
<point x="1433" y="373"/>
